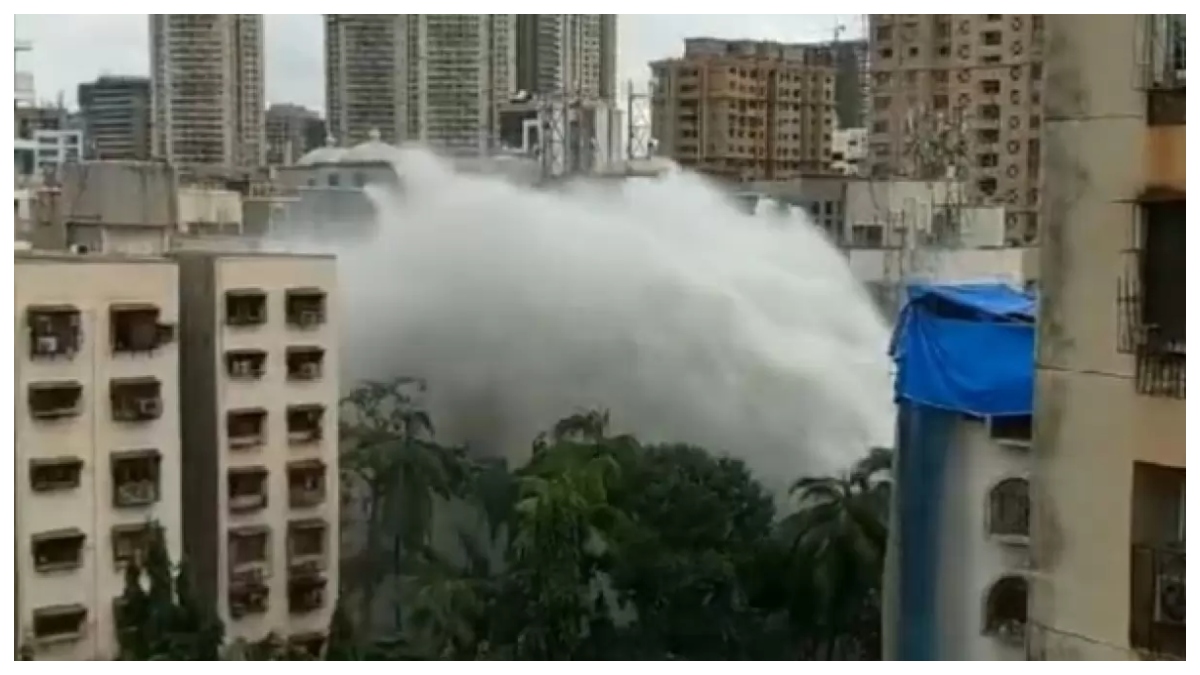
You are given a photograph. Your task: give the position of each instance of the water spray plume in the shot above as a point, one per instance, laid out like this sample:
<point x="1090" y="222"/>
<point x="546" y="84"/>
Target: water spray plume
<point x="658" y="300"/>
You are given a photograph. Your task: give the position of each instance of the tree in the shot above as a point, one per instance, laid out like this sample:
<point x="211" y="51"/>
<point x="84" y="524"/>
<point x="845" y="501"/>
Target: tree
<point x="389" y="457"/>
<point x="839" y="534"/>
<point x="159" y="616"/>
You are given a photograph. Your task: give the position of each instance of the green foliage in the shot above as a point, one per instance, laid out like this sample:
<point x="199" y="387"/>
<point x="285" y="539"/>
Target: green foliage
<point x="604" y="548"/>
<point x="599" y="548"/>
<point x="159" y="616"/>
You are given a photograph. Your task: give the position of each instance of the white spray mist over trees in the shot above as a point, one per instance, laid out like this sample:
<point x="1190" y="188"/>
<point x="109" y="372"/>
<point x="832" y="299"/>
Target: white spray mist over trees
<point x="657" y="300"/>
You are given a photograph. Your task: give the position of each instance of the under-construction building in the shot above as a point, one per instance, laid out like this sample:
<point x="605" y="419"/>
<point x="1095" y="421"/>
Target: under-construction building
<point x="746" y="110"/>
<point x="207" y="90"/>
<point x="960" y="94"/>
<point x="434" y="78"/>
<point x="575" y="54"/>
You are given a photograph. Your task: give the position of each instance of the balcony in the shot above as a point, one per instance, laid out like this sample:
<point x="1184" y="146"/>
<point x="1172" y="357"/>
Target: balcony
<point x="129" y="542"/>
<point x="1158" y="596"/>
<point x="245" y="364"/>
<point x="305" y="363"/>
<point x="306" y="593"/>
<point x="245" y="307"/>
<point x="307" y="546"/>
<point x="1164" y="67"/>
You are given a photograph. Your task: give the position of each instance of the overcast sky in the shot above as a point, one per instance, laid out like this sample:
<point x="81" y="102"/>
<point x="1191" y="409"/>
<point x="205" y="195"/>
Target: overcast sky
<point x="119" y="45"/>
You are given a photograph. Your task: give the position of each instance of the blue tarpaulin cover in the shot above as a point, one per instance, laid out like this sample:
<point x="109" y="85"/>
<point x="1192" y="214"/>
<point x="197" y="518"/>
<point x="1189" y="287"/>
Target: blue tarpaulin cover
<point x="967" y="348"/>
<point x="963" y="348"/>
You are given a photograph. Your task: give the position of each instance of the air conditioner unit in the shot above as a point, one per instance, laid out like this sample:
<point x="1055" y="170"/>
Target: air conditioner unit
<point x="1170" y="599"/>
<point x="309" y="317"/>
<point x="136" y="493"/>
<point x="243" y="368"/>
<point x="149" y="407"/>
<point x="310" y="370"/>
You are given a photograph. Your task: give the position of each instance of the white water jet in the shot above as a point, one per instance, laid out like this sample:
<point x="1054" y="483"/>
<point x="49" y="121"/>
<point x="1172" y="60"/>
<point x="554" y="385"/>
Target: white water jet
<point x="659" y="300"/>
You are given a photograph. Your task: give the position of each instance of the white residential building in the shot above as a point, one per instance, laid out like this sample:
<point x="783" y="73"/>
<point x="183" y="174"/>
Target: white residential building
<point x="260" y="376"/>
<point x="984" y="545"/>
<point x="97" y="451"/>
<point x="849" y="151"/>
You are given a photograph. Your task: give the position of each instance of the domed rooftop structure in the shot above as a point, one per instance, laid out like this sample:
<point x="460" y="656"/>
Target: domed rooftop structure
<point x="330" y="154"/>
<point x="372" y="150"/>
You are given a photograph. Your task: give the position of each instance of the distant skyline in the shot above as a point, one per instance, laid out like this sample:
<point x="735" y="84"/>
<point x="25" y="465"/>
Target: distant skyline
<point x="119" y="45"/>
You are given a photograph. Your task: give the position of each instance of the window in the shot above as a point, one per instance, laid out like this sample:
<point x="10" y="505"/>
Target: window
<point x="245" y="307"/>
<point x="306" y="483"/>
<point x="135" y="328"/>
<point x="1011" y="428"/>
<point x="991" y="38"/>
<point x="135" y="476"/>
<point x="247" y="489"/>
<point x="879" y="127"/>
<point x="988" y="159"/>
<point x="246" y="428"/>
<point x="245" y="364"/>
<point x="58" y="550"/>
<point x="136" y="399"/>
<point x="882" y="102"/>
<point x="305" y="423"/>
<point x="885" y="53"/>
<point x="305" y="307"/>
<point x="129" y="542"/>
<point x="1008" y="509"/>
<point x="53" y="331"/>
<point x="988" y="135"/>
<point x="1006" y="609"/>
<point x="55" y="474"/>
<point x="1163" y="275"/>
<point x="307" y="545"/>
<point x="986" y="186"/>
<point x="883" y="33"/>
<point x="989" y="112"/>
<point x="54" y="400"/>
<point x="305" y="362"/>
<point x="60" y="623"/>
<point x="941" y="102"/>
<point x="990" y="86"/>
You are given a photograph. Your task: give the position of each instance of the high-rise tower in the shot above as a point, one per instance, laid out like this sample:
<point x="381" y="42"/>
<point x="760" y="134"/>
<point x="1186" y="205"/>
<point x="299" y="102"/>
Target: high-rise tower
<point x="207" y="90"/>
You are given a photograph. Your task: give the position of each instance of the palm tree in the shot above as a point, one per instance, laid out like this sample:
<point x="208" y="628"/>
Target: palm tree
<point x="838" y="540"/>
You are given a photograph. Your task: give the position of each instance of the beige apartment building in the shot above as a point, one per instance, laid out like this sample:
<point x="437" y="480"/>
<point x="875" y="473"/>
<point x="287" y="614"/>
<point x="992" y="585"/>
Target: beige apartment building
<point x="744" y="110"/>
<point x="260" y="384"/>
<point x="961" y="93"/>
<point x="97" y="453"/>
<point x="1109" y="457"/>
<point x="207" y="91"/>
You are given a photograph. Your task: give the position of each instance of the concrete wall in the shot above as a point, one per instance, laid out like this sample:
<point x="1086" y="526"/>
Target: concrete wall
<point x="1014" y="265"/>
<point x="275" y="275"/>
<point x="120" y="193"/>
<point x="210" y="211"/>
<point x="971" y="560"/>
<point x="91" y="284"/>
<point x="1091" y="422"/>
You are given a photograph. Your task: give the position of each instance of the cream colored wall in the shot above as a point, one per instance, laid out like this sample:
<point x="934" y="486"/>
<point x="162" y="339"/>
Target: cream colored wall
<point x="92" y="436"/>
<point x="971" y="560"/>
<point x="1091" y="424"/>
<point x="276" y="275"/>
